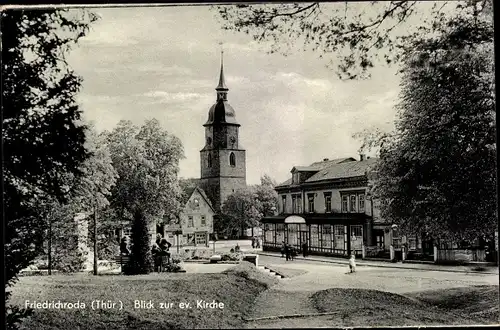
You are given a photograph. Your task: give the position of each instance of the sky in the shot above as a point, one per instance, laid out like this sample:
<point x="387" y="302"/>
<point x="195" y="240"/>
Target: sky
<point x="164" y="62"/>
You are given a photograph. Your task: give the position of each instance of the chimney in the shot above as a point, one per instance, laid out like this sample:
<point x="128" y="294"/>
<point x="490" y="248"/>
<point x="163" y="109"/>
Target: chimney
<point x="325" y="159"/>
<point x="361" y="157"/>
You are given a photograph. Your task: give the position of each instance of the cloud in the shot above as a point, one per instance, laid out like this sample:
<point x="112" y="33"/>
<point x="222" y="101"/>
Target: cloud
<point x="168" y="97"/>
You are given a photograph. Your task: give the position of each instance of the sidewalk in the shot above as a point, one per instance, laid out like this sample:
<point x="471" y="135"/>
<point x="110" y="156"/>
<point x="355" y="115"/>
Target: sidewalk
<point x="383" y="264"/>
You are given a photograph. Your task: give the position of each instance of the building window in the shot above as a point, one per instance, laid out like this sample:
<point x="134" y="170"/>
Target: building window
<point x="209" y="160"/>
<point x="357" y="231"/>
<point x="353" y="203"/>
<point x="315" y="243"/>
<point x="361" y="198"/>
<point x="127" y="231"/>
<point x="379" y="239"/>
<point x="190" y="221"/>
<point x="295" y="178"/>
<point x="339" y="237"/>
<point x="328" y="202"/>
<point x="345" y="203"/>
<point x="283" y="203"/>
<point x="203" y="220"/>
<point x="412" y="243"/>
<point x="339" y="230"/>
<point x="310" y="203"/>
<point x="201" y="238"/>
<point x="232" y="159"/>
<point x="296" y="203"/>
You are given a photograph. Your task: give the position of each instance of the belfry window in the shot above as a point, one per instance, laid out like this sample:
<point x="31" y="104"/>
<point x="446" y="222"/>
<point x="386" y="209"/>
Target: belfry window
<point x="209" y="160"/>
<point x="232" y="159"/>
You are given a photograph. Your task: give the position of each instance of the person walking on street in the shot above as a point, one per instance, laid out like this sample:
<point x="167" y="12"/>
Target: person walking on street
<point x="283" y="249"/>
<point x="287" y="252"/>
<point x="304" y="249"/>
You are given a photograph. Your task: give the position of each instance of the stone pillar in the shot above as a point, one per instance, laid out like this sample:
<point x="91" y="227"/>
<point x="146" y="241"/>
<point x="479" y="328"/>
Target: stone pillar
<point x="391" y="252"/>
<point x="435" y="253"/>
<point x="82" y="230"/>
<point x="363" y="251"/>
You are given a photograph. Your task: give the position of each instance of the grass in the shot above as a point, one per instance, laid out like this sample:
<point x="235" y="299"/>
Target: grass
<point x="236" y="288"/>
<point x="360" y="307"/>
<point x="477" y="302"/>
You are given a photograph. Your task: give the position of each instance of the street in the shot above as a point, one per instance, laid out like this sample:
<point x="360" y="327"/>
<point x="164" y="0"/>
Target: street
<point x="292" y="295"/>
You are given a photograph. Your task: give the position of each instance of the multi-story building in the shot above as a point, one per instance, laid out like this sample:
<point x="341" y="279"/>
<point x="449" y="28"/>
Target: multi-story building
<point x="328" y="206"/>
<point x="196" y="220"/>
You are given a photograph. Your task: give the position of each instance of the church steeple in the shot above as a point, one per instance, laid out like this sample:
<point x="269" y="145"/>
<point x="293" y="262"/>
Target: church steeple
<point x="222" y="88"/>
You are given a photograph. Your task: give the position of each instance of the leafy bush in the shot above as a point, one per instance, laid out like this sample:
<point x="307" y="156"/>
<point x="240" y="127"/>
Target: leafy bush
<point x="108" y="249"/>
<point x="231" y="257"/>
<point x="173" y="267"/>
<point x="69" y="261"/>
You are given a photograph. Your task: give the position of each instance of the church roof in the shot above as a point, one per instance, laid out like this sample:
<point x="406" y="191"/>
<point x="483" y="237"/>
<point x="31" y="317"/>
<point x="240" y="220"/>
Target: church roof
<point x="222" y="81"/>
<point x="221" y="112"/>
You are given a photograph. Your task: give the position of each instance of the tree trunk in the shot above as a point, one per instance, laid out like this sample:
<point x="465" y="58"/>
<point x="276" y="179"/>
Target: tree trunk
<point x="95" y="240"/>
<point x="49" y="246"/>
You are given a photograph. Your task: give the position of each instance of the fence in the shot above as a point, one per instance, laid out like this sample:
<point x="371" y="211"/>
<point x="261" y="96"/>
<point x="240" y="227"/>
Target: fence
<point x="376" y="252"/>
<point x="463" y="255"/>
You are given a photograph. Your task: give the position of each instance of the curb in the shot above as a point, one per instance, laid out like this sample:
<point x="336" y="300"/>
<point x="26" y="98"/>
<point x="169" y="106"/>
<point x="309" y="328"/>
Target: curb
<point x="289" y="316"/>
<point x="386" y="266"/>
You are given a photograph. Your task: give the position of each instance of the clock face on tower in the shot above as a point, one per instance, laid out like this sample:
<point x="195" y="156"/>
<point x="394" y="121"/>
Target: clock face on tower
<point x="209" y="140"/>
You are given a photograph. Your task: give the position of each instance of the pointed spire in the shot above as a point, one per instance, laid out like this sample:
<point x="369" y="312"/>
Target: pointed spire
<point x="222" y="81"/>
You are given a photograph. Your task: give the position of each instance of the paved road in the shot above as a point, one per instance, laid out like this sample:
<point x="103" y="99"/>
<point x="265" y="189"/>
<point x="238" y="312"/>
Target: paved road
<point x="291" y="295"/>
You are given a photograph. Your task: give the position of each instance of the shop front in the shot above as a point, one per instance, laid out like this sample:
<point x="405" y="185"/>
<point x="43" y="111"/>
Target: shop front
<point x="325" y="234"/>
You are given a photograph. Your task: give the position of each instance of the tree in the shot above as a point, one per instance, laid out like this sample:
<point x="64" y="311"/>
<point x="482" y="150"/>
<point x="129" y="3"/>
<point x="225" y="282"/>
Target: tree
<point x="147" y="162"/>
<point x="246" y="207"/>
<point x="42" y="140"/>
<point x="241" y="210"/>
<point x="95" y="183"/>
<point x="436" y="173"/>
<point x="346" y="32"/>
<point x="266" y="195"/>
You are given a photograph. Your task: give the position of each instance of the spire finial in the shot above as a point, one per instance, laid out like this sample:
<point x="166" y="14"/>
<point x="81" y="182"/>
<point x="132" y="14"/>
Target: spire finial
<point x="222" y="82"/>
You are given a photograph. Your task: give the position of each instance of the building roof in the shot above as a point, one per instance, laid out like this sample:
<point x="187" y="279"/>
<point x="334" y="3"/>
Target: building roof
<point x="222" y="81"/>
<point x="221" y="112"/>
<point x="304" y="169"/>
<point x="343" y="170"/>
<point x="339" y="168"/>
<point x="189" y="186"/>
<point x="328" y="162"/>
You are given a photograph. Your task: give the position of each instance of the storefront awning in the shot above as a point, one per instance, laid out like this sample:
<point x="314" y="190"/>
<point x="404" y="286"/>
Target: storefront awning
<point x="295" y="219"/>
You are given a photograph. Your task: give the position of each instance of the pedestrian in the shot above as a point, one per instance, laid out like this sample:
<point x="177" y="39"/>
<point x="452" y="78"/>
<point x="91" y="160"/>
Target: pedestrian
<point x="123" y="246"/>
<point x="156" y="251"/>
<point x="293" y="252"/>
<point x="257" y="241"/>
<point x="287" y="251"/>
<point x="304" y="249"/>
<point x="283" y="249"/>
<point x="253" y="242"/>
<point x="352" y="264"/>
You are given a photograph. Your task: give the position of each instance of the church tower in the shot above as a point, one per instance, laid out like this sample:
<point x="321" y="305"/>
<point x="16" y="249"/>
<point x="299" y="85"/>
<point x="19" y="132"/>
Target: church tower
<point x="223" y="163"/>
